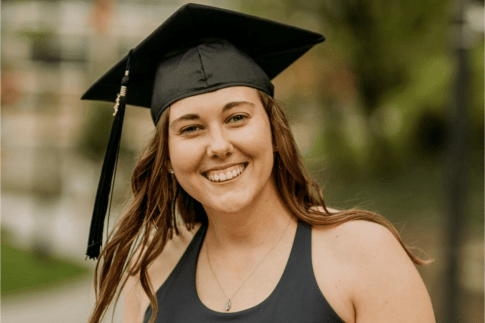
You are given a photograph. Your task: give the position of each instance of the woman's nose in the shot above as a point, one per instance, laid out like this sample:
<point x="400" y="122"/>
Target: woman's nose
<point x="219" y="145"/>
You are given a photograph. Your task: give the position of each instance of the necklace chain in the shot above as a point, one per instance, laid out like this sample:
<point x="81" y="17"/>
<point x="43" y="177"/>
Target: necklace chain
<point x="227" y="307"/>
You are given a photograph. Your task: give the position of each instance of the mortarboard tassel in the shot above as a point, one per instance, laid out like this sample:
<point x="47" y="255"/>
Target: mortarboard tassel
<point x="106" y="181"/>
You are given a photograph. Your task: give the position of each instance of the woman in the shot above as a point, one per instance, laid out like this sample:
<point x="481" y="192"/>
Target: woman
<point x="225" y="224"/>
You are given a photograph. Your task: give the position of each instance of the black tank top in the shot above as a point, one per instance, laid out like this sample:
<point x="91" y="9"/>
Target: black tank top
<point x="296" y="298"/>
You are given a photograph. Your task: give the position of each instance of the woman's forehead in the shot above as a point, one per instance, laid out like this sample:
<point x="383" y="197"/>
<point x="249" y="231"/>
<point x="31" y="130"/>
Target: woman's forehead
<point x="219" y="99"/>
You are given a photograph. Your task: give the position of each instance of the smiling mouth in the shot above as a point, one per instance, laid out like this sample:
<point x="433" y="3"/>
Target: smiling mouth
<point x="224" y="175"/>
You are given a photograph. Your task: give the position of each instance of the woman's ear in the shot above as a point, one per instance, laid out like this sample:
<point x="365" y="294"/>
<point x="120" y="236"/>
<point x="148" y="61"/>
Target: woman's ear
<point x="169" y="167"/>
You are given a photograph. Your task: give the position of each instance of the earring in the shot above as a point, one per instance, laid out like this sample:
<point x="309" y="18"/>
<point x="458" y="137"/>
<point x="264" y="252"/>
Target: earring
<point x="171" y="171"/>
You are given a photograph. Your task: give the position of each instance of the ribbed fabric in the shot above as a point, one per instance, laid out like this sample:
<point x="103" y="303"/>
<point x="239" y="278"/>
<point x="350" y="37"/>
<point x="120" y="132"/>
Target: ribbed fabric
<point x="296" y="298"/>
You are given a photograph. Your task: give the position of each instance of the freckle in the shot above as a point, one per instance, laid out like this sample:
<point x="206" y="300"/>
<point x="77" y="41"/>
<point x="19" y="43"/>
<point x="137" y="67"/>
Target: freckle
<point x="336" y="236"/>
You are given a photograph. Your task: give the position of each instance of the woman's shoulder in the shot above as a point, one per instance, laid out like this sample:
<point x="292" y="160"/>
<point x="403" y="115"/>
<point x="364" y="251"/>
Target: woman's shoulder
<point x="356" y="240"/>
<point x="338" y="254"/>
<point x="367" y="273"/>
<point x="135" y="299"/>
<point x="171" y="254"/>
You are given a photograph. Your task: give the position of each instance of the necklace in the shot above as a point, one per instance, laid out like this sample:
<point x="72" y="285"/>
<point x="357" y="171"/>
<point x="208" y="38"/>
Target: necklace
<point x="227" y="307"/>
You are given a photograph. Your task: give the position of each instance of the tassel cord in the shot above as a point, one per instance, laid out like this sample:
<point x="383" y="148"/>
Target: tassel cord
<point x="106" y="183"/>
<point x="104" y="194"/>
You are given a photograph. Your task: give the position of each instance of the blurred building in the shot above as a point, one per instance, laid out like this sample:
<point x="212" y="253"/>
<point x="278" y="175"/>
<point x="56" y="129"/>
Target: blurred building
<point x="51" y="52"/>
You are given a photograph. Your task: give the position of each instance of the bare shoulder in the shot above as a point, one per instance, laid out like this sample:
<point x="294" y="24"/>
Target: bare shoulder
<point x="135" y="299"/>
<point x="373" y="273"/>
<point x="171" y="254"/>
<point x="359" y="238"/>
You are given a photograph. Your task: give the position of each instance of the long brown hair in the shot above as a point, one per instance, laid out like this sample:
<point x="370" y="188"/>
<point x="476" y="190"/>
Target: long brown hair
<point x="151" y="219"/>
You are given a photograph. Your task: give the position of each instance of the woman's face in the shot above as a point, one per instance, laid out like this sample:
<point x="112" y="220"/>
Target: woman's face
<point x="221" y="149"/>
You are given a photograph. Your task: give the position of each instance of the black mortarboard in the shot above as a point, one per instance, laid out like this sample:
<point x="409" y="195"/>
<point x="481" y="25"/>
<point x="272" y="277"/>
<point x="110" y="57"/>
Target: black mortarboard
<point x="197" y="50"/>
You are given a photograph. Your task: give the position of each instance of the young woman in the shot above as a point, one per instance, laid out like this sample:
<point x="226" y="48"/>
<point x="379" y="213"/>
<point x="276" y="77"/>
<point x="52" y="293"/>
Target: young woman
<point x="226" y="225"/>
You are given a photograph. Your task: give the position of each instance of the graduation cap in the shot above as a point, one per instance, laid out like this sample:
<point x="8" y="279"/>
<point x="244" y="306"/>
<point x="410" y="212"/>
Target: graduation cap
<point x="198" y="49"/>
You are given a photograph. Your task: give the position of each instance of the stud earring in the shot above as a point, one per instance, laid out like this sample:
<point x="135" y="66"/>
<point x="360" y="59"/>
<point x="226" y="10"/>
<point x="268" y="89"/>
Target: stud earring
<point x="171" y="171"/>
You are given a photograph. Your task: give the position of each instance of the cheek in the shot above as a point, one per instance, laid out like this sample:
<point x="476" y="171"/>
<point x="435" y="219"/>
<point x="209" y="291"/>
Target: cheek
<point x="184" y="160"/>
<point x="184" y="155"/>
<point x="258" y="141"/>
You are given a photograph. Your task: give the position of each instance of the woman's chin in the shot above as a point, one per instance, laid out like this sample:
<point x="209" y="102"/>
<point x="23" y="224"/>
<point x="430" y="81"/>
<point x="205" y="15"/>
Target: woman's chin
<point x="229" y="205"/>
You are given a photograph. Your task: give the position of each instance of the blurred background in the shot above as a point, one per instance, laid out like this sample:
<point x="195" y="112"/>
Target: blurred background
<point x="388" y="114"/>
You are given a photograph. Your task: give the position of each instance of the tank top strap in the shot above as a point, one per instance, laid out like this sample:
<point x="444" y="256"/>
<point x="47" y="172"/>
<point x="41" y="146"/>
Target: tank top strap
<point x="298" y="286"/>
<point x="183" y="272"/>
<point x="301" y="253"/>
<point x="299" y="268"/>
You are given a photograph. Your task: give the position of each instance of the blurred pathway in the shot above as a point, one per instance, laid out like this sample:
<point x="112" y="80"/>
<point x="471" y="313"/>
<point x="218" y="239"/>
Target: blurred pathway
<point x="64" y="226"/>
<point x="71" y="303"/>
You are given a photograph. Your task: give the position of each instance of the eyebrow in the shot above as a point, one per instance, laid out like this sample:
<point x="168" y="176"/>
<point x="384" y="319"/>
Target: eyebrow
<point x="195" y="116"/>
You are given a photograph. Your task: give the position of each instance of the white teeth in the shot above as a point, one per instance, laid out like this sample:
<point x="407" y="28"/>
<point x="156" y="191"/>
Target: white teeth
<point x="230" y="173"/>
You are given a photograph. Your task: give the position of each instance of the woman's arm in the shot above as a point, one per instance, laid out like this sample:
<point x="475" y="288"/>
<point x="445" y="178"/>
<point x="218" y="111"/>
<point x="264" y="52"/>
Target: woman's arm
<point x="135" y="301"/>
<point x="371" y="277"/>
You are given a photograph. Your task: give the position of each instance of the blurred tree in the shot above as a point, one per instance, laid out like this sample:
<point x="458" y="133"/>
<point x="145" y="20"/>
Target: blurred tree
<point x="397" y="52"/>
<point x="431" y="132"/>
<point x="96" y="130"/>
<point x="383" y="40"/>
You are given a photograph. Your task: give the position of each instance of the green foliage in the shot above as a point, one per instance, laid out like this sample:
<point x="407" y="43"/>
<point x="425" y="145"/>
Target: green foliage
<point x="431" y="134"/>
<point x="417" y="194"/>
<point x="402" y="57"/>
<point x="477" y="102"/>
<point x="23" y="271"/>
<point x="96" y="130"/>
<point x="41" y="34"/>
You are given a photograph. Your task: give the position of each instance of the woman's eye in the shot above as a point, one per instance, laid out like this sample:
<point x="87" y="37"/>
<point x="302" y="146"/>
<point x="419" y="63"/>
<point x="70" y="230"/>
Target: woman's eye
<point x="237" y="118"/>
<point x="189" y="129"/>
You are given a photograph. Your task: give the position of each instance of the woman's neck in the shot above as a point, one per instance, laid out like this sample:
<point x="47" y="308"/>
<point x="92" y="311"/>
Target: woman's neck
<point x="250" y="227"/>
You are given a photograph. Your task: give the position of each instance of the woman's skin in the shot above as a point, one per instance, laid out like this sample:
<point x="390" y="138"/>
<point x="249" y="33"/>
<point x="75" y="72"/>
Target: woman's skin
<point x="361" y="269"/>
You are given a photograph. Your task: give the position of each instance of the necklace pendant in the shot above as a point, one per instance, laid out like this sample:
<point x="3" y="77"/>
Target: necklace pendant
<point x="228" y="305"/>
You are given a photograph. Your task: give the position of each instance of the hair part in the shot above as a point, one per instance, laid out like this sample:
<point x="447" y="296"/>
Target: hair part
<point x="158" y="200"/>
